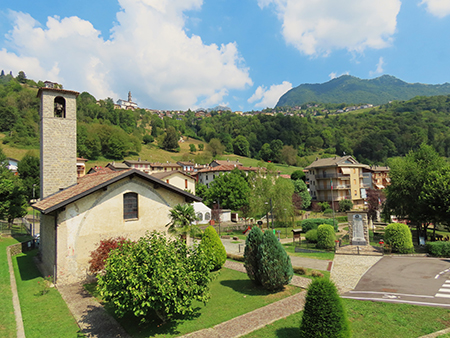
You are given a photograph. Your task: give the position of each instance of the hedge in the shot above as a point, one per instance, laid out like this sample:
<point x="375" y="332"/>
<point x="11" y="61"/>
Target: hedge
<point x="325" y="237"/>
<point x="398" y="237"/>
<point x="313" y="223"/>
<point x="311" y="236"/>
<point x="438" y="249"/>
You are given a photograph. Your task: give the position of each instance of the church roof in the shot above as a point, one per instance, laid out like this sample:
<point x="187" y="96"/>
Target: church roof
<point x="100" y="179"/>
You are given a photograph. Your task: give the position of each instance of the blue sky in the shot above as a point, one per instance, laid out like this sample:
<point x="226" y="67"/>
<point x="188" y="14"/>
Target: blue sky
<point x="180" y="54"/>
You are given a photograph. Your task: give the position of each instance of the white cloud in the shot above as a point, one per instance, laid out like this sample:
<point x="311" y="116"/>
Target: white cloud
<point x="321" y="26"/>
<point x="148" y="53"/>
<point x="269" y="97"/>
<point x="334" y="75"/>
<point x="439" y="8"/>
<point x="379" y="69"/>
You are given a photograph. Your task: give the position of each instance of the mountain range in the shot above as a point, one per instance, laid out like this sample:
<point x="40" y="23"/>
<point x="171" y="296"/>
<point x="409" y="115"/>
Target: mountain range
<point x="352" y="90"/>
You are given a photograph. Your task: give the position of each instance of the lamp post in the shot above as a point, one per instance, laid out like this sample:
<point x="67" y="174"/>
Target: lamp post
<point x="34" y="200"/>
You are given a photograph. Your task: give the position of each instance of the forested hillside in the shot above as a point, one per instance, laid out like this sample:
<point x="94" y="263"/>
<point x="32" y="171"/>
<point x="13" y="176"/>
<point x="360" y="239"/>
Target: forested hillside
<point x="352" y="90"/>
<point x="371" y="136"/>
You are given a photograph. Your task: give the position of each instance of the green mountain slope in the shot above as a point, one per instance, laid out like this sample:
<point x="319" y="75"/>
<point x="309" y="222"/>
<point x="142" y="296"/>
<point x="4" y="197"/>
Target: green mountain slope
<point x="352" y="90"/>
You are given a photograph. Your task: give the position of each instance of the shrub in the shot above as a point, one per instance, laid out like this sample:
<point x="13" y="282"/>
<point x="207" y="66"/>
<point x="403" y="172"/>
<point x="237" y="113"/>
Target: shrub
<point x="325" y="236"/>
<point x="274" y="264"/>
<point x="324" y="315"/>
<point x="235" y="257"/>
<point x="313" y="223"/>
<point x="328" y="211"/>
<point x="99" y="255"/>
<point x="324" y="205"/>
<point x="155" y="275"/>
<point x="439" y="249"/>
<point x="316" y="273"/>
<point x="311" y="236"/>
<point x="399" y="238"/>
<point x="148" y="139"/>
<point x="300" y="270"/>
<point x="345" y="205"/>
<point x="252" y="243"/>
<point x="214" y="248"/>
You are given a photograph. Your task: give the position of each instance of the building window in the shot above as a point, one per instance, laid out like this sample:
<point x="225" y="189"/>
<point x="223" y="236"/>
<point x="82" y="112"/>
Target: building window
<point x="207" y="216"/>
<point x="185" y="183"/>
<point x="130" y="205"/>
<point x="200" y="216"/>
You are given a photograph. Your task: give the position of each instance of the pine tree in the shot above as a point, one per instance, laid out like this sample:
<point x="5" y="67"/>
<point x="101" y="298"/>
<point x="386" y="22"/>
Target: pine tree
<point x="214" y="248"/>
<point x="252" y="244"/>
<point x="324" y="315"/>
<point x="274" y="264"/>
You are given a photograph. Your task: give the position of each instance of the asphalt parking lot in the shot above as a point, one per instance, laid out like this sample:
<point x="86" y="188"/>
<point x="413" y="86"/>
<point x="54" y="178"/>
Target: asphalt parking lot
<point x="412" y="280"/>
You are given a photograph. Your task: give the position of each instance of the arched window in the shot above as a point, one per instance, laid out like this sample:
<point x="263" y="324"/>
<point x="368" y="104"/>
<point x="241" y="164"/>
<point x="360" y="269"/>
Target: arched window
<point x="130" y="205"/>
<point x="207" y="216"/>
<point x="60" y="107"/>
<point x="200" y="216"/>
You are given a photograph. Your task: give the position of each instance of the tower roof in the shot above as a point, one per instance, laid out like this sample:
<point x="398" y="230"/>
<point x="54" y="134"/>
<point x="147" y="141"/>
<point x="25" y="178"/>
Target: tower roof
<point x="62" y="91"/>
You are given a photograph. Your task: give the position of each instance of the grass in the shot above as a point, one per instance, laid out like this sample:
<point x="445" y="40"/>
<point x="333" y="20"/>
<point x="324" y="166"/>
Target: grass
<point x="372" y="320"/>
<point x="43" y="315"/>
<point x="290" y="249"/>
<point x="7" y="319"/>
<point x="232" y="294"/>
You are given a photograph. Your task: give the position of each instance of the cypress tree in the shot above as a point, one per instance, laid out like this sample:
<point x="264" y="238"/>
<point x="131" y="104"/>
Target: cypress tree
<point x="252" y="243"/>
<point x="214" y="248"/>
<point x="324" y="315"/>
<point x="274" y="264"/>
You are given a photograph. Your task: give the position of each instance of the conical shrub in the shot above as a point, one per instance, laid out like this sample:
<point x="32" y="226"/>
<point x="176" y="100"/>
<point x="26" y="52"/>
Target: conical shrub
<point x="252" y="243"/>
<point x="274" y="268"/>
<point x="214" y="248"/>
<point x="324" y="315"/>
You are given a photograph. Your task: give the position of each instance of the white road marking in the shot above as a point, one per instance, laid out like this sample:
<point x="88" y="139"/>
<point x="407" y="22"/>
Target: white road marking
<point x="441" y="295"/>
<point x="391" y="293"/>
<point x="444" y="290"/>
<point x="398" y="301"/>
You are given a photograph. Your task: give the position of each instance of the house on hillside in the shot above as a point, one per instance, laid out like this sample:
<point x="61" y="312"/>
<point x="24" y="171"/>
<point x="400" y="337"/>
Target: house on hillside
<point x="334" y="179"/>
<point x="77" y="213"/>
<point x="177" y="178"/>
<point x="206" y="176"/>
<point x="377" y="177"/>
<point x="216" y="163"/>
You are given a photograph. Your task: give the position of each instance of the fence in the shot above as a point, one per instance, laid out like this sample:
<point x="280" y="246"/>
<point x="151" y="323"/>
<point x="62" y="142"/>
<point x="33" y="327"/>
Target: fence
<point x="19" y="227"/>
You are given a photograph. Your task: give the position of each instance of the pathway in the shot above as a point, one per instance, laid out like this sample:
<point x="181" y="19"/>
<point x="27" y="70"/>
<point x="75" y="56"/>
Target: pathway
<point x="15" y="298"/>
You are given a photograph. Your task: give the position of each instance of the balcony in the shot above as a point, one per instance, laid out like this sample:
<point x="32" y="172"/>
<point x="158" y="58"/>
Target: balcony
<point x="335" y="187"/>
<point x="334" y="175"/>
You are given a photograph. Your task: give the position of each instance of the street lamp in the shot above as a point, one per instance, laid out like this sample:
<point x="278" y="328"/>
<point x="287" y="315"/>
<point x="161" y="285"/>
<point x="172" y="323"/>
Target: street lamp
<point x="34" y="201"/>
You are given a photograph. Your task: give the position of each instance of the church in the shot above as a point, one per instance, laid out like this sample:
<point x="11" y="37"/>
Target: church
<point x="77" y="213"/>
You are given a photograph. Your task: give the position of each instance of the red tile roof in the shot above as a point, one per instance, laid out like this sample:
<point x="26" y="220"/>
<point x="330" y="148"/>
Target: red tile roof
<point x="95" y="181"/>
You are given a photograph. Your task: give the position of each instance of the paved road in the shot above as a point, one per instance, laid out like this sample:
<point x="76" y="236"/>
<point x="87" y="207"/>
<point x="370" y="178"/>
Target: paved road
<point x="413" y="280"/>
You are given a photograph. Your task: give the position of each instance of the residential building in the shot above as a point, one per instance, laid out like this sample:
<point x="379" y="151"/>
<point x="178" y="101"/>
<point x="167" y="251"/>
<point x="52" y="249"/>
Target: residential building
<point x="334" y="179"/>
<point x="377" y="177"/>
<point x="206" y="176"/>
<point x="177" y="178"/>
<point x="216" y="163"/>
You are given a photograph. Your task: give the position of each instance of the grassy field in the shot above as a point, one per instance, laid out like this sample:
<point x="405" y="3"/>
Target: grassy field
<point x="7" y="319"/>
<point x="372" y="320"/>
<point x="232" y="294"/>
<point x="43" y="315"/>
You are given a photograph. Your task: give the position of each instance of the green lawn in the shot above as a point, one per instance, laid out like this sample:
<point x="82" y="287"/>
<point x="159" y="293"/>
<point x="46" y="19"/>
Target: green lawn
<point x="232" y="294"/>
<point x="7" y="319"/>
<point x="290" y="249"/>
<point x="43" y="315"/>
<point x="372" y="320"/>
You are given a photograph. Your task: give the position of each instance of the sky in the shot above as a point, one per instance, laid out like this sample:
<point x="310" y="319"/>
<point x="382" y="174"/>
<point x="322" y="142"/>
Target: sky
<point x="245" y="54"/>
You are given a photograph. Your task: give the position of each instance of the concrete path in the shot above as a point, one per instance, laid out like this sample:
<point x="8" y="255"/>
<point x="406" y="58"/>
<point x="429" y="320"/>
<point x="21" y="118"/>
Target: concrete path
<point x="91" y="317"/>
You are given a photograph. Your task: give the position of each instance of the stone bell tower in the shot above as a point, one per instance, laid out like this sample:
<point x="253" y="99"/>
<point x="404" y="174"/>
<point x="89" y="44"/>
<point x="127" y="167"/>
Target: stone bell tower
<point x="58" y="116"/>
